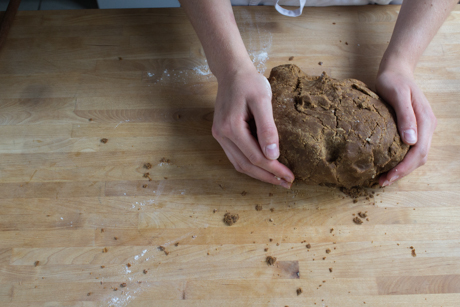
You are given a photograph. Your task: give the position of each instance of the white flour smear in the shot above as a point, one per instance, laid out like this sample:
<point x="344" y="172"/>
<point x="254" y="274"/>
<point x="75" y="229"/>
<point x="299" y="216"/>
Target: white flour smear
<point x="124" y="296"/>
<point x="170" y="76"/>
<point x="258" y="41"/>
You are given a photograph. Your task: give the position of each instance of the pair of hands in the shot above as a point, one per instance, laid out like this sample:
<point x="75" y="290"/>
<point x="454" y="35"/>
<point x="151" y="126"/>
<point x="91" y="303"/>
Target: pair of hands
<point x="245" y="94"/>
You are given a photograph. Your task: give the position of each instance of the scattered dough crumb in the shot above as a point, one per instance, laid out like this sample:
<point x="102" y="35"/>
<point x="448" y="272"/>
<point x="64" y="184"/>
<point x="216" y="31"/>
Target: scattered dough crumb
<point x="291" y="58"/>
<point x="330" y="270"/>
<point x="105" y="250"/>
<point x="357" y="220"/>
<point x="258" y="207"/>
<point x="413" y="253"/>
<point x="308" y="246"/>
<point x="244" y="193"/>
<point x="270" y="260"/>
<point x="147" y="165"/>
<point x="104" y="140"/>
<point x="230" y="219"/>
<point x="299" y="291"/>
<point x="36" y="263"/>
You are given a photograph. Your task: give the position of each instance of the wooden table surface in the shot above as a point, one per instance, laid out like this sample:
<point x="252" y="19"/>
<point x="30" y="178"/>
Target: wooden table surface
<point x="79" y="229"/>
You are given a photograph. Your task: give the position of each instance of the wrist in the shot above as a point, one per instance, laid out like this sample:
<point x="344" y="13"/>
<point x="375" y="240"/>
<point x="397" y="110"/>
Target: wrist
<point x="396" y="61"/>
<point x="233" y="68"/>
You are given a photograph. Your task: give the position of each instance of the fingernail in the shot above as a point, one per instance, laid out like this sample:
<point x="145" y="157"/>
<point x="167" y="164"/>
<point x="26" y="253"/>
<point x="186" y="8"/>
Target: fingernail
<point x="410" y="136"/>
<point x="272" y="152"/>
<point x="285" y="184"/>
<point x="393" y="178"/>
<point x="386" y="183"/>
<point x="288" y="179"/>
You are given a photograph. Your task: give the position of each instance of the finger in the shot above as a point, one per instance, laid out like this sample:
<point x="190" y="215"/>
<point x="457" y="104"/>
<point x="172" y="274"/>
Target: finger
<point x="251" y="150"/>
<point x="267" y="134"/>
<point x="418" y="154"/>
<point x="405" y="116"/>
<point x="243" y="165"/>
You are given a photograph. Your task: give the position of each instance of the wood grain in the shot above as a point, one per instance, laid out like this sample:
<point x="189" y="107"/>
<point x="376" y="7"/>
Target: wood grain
<point x="76" y="220"/>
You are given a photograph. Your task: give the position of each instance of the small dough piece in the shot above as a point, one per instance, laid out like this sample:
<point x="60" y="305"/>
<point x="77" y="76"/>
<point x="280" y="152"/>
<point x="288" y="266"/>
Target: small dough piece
<point x="333" y="132"/>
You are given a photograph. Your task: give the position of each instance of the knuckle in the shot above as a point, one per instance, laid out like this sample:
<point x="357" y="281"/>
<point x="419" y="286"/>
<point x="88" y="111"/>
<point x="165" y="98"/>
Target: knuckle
<point x="255" y="159"/>
<point x="219" y="131"/>
<point x="423" y="156"/>
<point x="268" y="133"/>
<point x="244" y="168"/>
<point x="423" y="161"/>
<point x="238" y="168"/>
<point x="215" y="132"/>
<point x="434" y="120"/>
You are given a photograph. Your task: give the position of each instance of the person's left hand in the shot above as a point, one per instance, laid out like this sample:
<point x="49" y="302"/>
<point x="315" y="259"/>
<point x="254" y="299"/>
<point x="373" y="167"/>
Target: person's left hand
<point x="415" y="119"/>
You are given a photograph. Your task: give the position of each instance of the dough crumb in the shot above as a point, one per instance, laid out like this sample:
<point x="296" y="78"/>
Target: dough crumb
<point x="104" y="141"/>
<point x="270" y="260"/>
<point x="231" y="219"/>
<point x="299" y="291"/>
<point x="258" y="207"/>
<point x="357" y="220"/>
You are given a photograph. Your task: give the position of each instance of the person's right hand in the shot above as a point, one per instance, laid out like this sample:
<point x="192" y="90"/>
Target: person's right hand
<point x="241" y="96"/>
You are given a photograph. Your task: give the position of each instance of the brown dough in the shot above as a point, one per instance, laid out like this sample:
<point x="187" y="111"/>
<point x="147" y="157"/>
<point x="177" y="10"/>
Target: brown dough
<point x="333" y="132"/>
<point x="230" y="218"/>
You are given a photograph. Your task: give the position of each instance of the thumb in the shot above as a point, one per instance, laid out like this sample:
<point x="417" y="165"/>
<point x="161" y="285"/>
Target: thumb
<point x="407" y="123"/>
<point x="267" y="134"/>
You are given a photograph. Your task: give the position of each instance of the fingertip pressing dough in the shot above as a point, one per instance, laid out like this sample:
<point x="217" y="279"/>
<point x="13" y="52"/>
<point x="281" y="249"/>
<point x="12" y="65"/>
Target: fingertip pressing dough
<point x="333" y="132"/>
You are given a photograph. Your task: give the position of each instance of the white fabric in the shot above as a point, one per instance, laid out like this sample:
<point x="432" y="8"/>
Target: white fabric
<point x="303" y="3"/>
<point x="314" y="2"/>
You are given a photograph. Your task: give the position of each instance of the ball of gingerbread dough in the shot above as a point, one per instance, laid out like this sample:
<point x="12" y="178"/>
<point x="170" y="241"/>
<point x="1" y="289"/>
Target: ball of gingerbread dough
<point x="333" y="132"/>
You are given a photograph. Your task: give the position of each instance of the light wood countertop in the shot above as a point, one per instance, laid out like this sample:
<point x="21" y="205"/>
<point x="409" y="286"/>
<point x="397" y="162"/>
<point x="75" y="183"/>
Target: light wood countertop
<point x="74" y="213"/>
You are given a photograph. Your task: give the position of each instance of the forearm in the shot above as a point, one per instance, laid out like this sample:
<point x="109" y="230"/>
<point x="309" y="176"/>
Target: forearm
<point x="216" y="28"/>
<point x="417" y="24"/>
